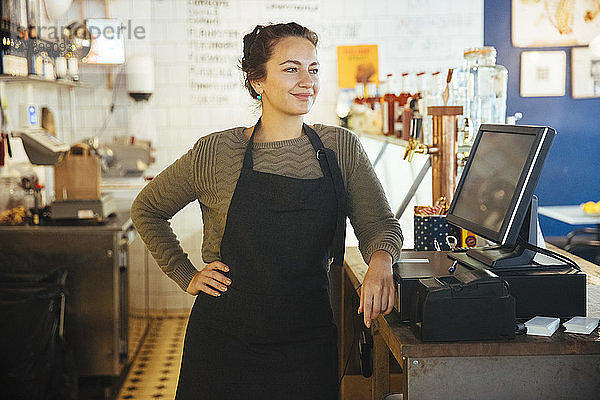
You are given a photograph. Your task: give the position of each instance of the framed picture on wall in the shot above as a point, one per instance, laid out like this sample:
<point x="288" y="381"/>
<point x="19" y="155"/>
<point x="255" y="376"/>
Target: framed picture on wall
<point x="108" y="42"/>
<point x="357" y="64"/>
<point x="543" y="73"/>
<point x="582" y="84"/>
<point x="554" y="23"/>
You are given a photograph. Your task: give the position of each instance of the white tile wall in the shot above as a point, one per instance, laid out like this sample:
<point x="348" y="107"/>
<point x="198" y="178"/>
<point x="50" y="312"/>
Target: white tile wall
<point x="412" y="35"/>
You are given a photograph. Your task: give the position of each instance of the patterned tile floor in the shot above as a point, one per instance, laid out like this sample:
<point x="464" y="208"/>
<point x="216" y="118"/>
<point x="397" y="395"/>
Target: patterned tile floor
<point x="155" y="370"/>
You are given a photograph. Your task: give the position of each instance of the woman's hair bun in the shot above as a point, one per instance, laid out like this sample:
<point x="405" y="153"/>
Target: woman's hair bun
<point x="249" y="40"/>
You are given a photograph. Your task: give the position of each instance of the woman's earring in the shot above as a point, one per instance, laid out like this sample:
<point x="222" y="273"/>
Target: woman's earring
<point x="258" y="97"/>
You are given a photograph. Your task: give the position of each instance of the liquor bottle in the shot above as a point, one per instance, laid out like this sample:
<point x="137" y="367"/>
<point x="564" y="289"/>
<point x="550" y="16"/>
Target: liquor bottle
<point x="387" y="107"/>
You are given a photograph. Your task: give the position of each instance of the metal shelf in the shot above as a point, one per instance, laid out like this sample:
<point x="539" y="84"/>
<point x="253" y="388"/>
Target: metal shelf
<point x="462" y="148"/>
<point x="38" y="80"/>
<point x="382" y="138"/>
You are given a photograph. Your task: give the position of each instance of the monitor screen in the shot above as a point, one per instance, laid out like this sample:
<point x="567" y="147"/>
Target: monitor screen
<point x="496" y="186"/>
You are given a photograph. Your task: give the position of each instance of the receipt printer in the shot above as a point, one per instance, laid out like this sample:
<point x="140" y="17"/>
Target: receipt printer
<point x="469" y="305"/>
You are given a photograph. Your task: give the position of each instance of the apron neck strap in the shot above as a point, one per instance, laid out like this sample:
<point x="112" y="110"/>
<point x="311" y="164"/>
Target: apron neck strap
<point x="315" y="140"/>
<point x="248" y="162"/>
<point x="330" y="167"/>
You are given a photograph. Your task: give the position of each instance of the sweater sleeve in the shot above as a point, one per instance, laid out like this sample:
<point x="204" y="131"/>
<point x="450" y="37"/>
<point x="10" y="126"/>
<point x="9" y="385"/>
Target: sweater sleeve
<point x="156" y="204"/>
<point x="370" y="215"/>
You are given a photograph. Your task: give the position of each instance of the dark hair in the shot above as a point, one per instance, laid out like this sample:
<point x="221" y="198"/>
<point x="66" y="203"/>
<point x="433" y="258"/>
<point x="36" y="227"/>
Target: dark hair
<point x="258" y="48"/>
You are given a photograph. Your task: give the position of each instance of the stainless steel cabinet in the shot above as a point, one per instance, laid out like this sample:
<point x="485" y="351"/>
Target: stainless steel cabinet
<point x="107" y="300"/>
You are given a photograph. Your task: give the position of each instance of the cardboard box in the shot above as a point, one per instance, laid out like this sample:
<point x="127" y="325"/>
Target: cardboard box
<point x="77" y="175"/>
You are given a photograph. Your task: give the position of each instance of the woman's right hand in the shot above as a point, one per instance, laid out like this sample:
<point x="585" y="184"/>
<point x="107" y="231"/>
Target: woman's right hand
<point x="209" y="280"/>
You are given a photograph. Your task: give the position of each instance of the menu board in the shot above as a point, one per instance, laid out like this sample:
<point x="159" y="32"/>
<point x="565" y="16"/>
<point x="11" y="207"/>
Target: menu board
<point x="213" y="50"/>
<point x="411" y="36"/>
<point x="215" y="31"/>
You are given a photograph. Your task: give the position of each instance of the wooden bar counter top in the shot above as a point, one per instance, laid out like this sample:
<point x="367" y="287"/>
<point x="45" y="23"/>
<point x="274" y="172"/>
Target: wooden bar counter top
<point x="418" y="360"/>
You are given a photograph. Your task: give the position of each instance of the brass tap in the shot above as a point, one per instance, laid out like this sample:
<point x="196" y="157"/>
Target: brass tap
<point x="410" y="148"/>
<point x="461" y="158"/>
<point x="415" y="146"/>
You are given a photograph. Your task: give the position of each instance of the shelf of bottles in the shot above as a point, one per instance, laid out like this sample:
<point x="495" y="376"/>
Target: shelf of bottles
<point x="397" y="107"/>
<point x="405" y="108"/>
<point x="35" y="79"/>
<point x="27" y="58"/>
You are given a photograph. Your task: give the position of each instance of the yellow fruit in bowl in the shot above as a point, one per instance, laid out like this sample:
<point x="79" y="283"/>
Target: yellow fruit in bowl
<point x="591" y="207"/>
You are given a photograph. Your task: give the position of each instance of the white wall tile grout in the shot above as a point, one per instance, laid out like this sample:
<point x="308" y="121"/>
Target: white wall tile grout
<point x="395" y="26"/>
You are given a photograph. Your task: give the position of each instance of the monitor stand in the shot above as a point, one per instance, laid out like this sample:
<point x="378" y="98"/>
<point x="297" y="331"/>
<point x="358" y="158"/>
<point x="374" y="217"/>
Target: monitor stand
<point x="495" y="257"/>
<point x="554" y="289"/>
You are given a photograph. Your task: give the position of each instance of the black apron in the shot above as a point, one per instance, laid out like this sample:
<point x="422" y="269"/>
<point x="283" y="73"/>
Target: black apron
<point x="271" y="334"/>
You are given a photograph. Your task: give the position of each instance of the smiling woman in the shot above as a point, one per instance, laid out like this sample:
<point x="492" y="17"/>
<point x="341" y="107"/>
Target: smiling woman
<point x="292" y="79"/>
<point x="282" y="72"/>
<point x="274" y="200"/>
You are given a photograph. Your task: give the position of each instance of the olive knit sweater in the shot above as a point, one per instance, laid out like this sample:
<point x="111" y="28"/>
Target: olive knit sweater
<point x="209" y="172"/>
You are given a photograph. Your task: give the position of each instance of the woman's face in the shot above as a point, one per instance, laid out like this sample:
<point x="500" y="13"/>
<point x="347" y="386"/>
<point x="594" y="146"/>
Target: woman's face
<point x="292" y="80"/>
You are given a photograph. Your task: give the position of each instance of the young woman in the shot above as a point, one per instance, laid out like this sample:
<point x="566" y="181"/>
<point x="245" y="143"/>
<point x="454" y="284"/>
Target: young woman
<point x="274" y="200"/>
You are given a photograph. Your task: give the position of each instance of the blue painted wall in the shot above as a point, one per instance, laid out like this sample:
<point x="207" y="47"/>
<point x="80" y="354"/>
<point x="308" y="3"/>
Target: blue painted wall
<point x="571" y="174"/>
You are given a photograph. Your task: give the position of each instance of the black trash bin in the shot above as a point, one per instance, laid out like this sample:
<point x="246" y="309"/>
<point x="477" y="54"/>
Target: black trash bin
<point x="36" y="362"/>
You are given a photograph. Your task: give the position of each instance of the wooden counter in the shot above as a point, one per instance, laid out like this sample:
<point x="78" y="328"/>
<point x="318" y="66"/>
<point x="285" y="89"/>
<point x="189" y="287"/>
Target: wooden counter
<point x="562" y="366"/>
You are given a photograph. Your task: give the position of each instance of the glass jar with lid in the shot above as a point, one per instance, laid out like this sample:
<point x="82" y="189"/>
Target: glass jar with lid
<point x="486" y="87"/>
<point x="12" y="201"/>
<point x="459" y="96"/>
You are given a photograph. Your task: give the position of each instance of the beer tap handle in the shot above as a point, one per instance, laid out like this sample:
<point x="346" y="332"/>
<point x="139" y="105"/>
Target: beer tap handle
<point x="407" y="150"/>
<point x="410" y="155"/>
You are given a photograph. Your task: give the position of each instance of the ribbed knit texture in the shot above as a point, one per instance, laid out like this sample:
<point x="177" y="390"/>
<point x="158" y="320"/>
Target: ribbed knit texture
<point x="209" y="173"/>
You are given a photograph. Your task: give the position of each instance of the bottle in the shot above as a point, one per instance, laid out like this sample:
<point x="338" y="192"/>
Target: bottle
<point x="60" y="61"/>
<point x="435" y="88"/>
<point x="359" y="90"/>
<point x="486" y="87"/>
<point x="404" y="83"/>
<point x="371" y="90"/>
<point x="387" y="107"/>
<point x="421" y="82"/>
<point x="432" y="97"/>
